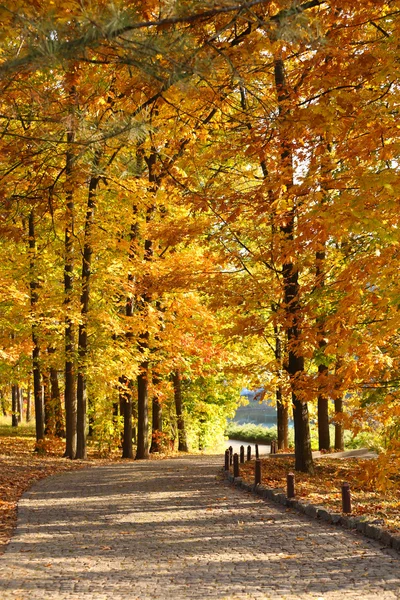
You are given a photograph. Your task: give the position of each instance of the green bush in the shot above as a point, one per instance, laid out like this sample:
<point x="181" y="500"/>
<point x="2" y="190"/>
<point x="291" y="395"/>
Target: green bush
<point x="364" y="439"/>
<point x="257" y="434"/>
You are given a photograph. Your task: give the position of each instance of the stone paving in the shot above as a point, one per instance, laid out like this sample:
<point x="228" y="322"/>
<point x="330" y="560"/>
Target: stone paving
<point x="173" y="530"/>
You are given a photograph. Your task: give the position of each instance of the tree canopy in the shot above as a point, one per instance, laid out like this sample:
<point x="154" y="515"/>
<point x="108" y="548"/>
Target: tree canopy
<point x="204" y="192"/>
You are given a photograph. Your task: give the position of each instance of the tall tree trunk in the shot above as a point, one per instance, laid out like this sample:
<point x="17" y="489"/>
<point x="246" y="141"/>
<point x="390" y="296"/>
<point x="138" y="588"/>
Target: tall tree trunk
<point x="282" y="409"/>
<point x="20" y="404"/>
<point x="59" y="430"/>
<point x="126" y="405"/>
<point x="156" y="419"/>
<point x="283" y="420"/>
<point x="14" y="405"/>
<point x="324" y="442"/>
<point x="34" y="285"/>
<point x="69" y="391"/>
<point x="125" y="394"/>
<point x="180" y="421"/>
<point x="142" y="449"/>
<point x="28" y="405"/>
<point x="3" y="403"/>
<point x="81" y="451"/>
<point x="339" y="406"/>
<point x="48" y="406"/>
<point x="339" y="430"/>
<point x="303" y="454"/>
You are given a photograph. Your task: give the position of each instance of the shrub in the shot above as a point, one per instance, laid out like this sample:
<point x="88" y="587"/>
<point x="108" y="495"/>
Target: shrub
<point x="251" y="433"/>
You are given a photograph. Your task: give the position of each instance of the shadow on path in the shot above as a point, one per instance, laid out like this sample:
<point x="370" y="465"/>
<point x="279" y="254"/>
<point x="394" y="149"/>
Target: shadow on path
<point x="173" y="530"/>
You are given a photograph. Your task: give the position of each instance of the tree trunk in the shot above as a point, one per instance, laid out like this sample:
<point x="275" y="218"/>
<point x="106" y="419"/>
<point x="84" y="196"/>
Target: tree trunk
<point x="48" y="406"/>
<point x="180" y="421"/>
<point x="34" y="285"/>
<point x="156" y="420"/>
<point x="303" y="454"/>
<point x="81" y="451"/>
<point x="125" y="395"/>
<point x="283" y="420"/>
<point x="142" y="451"/>
<point x="3" y="403"/>
<point x="59" y="430"/>
<point x="28" y="405"/>
<point x="69" y="392"/>
<point x="20" y="404"/>
<point x="14" y="405"/>
<point x="143" y="377"/>
<point x="339" y="430"/>
<point x="282" y="414"/>
<point x="324" y="442"/>
<point x="126" y="404"/>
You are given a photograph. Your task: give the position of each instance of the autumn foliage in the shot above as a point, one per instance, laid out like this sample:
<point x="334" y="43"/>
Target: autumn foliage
<point x="202" y="192"/>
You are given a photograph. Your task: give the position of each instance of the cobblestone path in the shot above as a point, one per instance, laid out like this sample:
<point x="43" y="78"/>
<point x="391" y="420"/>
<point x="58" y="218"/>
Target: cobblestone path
<point x="172" y="530"/>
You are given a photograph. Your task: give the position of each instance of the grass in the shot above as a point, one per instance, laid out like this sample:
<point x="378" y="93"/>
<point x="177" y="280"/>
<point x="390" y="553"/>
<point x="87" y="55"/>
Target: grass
<point x="23" y="430"/>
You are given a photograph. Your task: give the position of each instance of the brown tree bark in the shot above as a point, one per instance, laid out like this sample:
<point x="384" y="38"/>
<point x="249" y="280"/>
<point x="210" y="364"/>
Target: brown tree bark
<point x="339" y="430"/>
<point x="126" y="404"/>
<point x="28" y="406"/>
<point x="180" y="421"/>
<point x="34" y="285"/>
<point x="3" y="403"/>
<point x="142" y="451"/>
<point x="20" y="403"/>
<point x="156" y="419"/>
<point x="48" y="407"/>
<point x="59" y="428"/>
<point x="142" y="448"/>
<point x="81" y="449"/>
<point x="282" y="414"/>
<point x="14" y="405"/>
<point x="125" y="395"/>
<point x="69" y="377"/>
<point x="303" y="454"/>
<point x="324" y="442"/>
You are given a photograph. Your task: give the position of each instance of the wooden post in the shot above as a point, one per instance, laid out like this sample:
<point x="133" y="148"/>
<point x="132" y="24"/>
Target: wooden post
<point x="346" y="498"/>
<point x="235" y="465"/>
<point x="257" y="454"/>
<point x="242" y="454"/>
<point x="226" y="460"/>
<point x="230" y="455"/>
<point x="257" y="472"/>
<point x="290" y="485"/>
<point x="248" y="452"/>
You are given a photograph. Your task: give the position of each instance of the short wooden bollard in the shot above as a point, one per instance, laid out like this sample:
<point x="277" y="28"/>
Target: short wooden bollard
<point x="257" y="454"/>
<point x="257" y="472"/>
<point x="230" y="455"/>
<point x="290" y="485"/>
<point x="226" y="460"/>
<point x="248" y="452"/>
<point x="242" y="454"/>
<point x="346" y="498"/>
<point x="273" y="447"/>
<point x="235" y="465"/>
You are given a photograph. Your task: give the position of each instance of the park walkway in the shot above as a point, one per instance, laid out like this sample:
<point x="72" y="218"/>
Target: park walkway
<point x="172" y="530"/>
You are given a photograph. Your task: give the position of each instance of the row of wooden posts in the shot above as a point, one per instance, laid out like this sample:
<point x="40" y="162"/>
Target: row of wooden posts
<point x="232" y="459"/>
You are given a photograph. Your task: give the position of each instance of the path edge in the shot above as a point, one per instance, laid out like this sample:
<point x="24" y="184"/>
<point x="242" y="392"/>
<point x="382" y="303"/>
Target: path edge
<point x="369" y="529"/>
